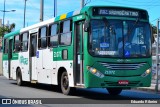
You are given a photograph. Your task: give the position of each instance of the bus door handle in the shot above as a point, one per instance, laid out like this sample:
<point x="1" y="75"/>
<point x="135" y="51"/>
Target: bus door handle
<point x="43" y="68"/>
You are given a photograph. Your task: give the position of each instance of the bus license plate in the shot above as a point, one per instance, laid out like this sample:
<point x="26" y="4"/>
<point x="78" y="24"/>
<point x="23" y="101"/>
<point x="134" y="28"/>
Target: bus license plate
<point x="123" y="82"/>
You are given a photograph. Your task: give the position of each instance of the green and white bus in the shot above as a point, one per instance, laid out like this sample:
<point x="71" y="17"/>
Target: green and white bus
<point x="96" y="47"/>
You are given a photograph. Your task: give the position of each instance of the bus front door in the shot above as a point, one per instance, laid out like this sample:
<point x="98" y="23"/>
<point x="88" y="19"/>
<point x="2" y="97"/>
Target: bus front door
<point x="78" y="57"/>
<point x="32" y="56"/>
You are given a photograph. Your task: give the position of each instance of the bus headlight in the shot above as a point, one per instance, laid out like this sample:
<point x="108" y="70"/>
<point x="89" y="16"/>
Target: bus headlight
<point x="95" y="72"/>
<point x="148" y="71"/>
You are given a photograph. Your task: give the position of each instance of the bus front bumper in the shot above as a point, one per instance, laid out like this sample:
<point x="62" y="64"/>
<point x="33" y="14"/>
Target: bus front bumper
<point x="93" y="81"/>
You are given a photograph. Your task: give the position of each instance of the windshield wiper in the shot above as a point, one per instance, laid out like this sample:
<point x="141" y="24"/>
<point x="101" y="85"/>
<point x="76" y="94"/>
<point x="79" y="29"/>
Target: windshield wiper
<point x="131" y="29"/>
<point x="106" y="22"/>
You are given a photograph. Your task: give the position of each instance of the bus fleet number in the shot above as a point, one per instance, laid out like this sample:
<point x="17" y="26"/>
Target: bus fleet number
<point x="57" y="54"/>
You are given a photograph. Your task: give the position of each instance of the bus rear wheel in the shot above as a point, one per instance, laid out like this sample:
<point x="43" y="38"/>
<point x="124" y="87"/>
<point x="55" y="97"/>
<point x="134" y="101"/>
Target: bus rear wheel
<point x="19" y="78"/>
<point x="114" y="91"/>
<point x="65" y="84"/>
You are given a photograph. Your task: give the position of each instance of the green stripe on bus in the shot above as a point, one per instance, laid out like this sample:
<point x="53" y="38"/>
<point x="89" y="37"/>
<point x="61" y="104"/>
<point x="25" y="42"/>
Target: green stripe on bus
<point x="58" y="53"/>
<point x="5" y="56"/>
<point x="14" y="56"/>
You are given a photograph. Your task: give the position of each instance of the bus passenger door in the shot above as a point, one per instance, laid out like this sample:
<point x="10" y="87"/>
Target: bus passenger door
<point x="78" y="46"/>
<point x="9" y="57"/>
<point x="32" y="56"/>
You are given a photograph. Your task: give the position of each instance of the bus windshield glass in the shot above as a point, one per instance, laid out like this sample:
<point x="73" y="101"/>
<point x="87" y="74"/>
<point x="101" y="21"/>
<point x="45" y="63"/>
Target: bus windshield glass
<point x="117" y="38"/>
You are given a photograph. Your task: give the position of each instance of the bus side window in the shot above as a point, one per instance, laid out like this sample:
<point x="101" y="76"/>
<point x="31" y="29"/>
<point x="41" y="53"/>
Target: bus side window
<point x="24" y="41"/>
<point x="53" y="35"/>
<point x="42" y="38"/>
<point x="17" y="43"/>
<point x="65" y="36"/>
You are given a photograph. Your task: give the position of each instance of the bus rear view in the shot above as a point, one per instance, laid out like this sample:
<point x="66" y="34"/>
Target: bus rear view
<point x="118" y="53"/>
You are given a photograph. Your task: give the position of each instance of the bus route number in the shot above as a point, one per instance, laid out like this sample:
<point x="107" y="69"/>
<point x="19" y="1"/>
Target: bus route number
<point x="57" y="54"/>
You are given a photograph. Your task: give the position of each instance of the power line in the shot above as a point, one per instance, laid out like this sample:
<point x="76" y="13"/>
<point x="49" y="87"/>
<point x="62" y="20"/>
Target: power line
<point x="139" y="1"/>
<point x="155" y="19"/>
<point x="153" y="2"/>
<point x="31" y="4"/>
<point x="87" y="2"/>
<point x="129" y="4"/>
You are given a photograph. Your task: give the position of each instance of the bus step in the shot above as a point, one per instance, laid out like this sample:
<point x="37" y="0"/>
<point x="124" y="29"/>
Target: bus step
<point x="34" y="81"/>
<point x="80" y="86"/>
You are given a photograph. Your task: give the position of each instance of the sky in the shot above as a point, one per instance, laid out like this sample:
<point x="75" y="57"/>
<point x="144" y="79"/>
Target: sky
<point x="65" y="6"/>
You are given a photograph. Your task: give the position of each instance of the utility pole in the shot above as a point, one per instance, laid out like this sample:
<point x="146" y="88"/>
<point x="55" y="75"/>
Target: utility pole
<point x="41" y="10"/>
<point x="24" y="14"/>
<point x="4" y="16"/>
<point x="82" y="3"/>
<point x="157" y="56"/>
<point x="55" y="8"/>
<point x="4" y="11"/>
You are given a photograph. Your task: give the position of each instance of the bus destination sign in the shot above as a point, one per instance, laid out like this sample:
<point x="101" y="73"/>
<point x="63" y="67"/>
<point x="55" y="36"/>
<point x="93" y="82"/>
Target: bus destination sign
<point x="116" y="12"/>
<point x="111" y="12"/>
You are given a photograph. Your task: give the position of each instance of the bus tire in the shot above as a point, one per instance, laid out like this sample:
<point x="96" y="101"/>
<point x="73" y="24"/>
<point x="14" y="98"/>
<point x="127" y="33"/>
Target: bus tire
<point x="19" y="78"/>
<point x="114" y="91"/>
<point x="66" y="90"/>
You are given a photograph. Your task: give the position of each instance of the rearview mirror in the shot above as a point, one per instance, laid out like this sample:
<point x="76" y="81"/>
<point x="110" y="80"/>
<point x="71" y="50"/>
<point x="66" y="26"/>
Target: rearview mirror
<point x="86" y="25"/>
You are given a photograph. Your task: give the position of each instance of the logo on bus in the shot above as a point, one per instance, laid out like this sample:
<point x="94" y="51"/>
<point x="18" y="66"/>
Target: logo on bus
<point x="110" y="72"/>
<point x="23" y="60"/>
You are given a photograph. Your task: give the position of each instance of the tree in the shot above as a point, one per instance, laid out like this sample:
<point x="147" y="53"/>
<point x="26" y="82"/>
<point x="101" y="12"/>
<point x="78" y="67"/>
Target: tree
<point x="7" y="29"/>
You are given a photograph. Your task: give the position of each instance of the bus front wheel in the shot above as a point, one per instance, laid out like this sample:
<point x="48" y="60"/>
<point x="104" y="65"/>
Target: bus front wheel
<point x="65" y="84"/>
<point x="114" y="91"/>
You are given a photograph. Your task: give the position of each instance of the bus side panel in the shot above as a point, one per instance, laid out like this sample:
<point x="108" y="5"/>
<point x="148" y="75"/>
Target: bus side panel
<point x="65" y="63"/>
<point x="39" y="66"/>
<point x="54" y="73"/>
<point x="14" y="65"/>
<point x="24" y="62"/>
<point x="45" y="73"/>
<point x="47" y="65"/>
<point x="5" y="67"/>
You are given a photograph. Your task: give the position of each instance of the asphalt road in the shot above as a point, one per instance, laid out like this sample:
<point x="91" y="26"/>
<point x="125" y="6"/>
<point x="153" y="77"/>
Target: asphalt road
<point x="9" y="89"/>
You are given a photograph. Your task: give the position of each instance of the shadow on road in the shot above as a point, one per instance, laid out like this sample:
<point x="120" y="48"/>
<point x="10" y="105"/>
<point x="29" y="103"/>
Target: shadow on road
<point x="95" y="93"/>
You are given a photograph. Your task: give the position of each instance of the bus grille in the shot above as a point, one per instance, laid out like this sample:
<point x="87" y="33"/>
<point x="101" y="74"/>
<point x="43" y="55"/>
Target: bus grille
<point x="122" y="66"/>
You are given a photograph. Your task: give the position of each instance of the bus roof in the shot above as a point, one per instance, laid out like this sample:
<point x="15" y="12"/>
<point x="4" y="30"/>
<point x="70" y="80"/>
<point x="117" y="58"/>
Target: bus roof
<point x="12" y="34"/>
<point x="63" y="16"/>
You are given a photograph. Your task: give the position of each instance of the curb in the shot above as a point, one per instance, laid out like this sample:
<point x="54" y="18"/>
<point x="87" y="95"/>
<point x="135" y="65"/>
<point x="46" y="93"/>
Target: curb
<point x="148" y="89"/>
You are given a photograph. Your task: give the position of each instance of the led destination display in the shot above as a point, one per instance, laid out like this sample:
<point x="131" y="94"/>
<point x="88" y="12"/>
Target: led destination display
<point x="119" y="12"/>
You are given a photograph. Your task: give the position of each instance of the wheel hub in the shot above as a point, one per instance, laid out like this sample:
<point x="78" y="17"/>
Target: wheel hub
<point x="65" y="82"/>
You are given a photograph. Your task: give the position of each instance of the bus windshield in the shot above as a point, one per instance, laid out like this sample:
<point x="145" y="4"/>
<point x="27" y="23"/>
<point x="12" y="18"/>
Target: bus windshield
<point x="117" y="38"/>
